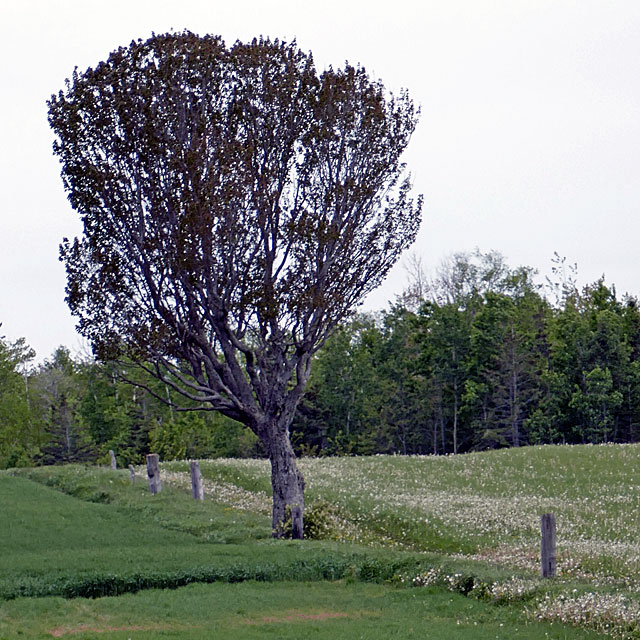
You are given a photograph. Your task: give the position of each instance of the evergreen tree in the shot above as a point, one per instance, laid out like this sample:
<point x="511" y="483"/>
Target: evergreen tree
<point x="57" y="388"/>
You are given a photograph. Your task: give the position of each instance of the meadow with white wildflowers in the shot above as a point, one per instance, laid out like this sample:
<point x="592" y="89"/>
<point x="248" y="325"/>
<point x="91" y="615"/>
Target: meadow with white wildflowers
<point x="484" y="507"/>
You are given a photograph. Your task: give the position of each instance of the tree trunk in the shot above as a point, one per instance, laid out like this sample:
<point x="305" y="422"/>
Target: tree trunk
<point x="434" y="434"/>
<point x="288" y="485"/>
<point x="515" y="413"/>
<point x="455" y="420"/>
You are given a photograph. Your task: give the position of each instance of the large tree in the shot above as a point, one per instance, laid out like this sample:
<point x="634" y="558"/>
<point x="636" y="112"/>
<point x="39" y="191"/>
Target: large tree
<point x="237" y="205"/>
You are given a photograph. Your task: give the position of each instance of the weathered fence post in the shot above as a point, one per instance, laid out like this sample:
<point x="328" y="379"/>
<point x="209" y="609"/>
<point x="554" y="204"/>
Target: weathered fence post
<point x="132" y="471"/>
<point x="112" y="455"/>
<point x="196" y="480"/>
<point x="297" y="528"/>
<point x="548" y="546"/>
<point x="153" y="471"/>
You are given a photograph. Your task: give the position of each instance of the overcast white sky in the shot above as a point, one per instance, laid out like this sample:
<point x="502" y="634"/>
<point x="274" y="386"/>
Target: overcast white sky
<point x="529" y="140"/>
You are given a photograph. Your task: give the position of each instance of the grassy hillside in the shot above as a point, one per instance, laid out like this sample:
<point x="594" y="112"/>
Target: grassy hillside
<point x="467" y="524"/>
<point x="57" y="544"/>
<point x="486" y="505"/>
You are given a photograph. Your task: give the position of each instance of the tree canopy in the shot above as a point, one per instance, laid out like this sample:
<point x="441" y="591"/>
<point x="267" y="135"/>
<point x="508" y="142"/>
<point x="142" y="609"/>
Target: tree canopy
<point x="236" y="206"/>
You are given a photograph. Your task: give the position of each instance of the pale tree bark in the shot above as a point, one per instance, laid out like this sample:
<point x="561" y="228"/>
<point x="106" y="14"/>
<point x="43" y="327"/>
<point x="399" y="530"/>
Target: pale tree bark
<point x="287" y="483"/>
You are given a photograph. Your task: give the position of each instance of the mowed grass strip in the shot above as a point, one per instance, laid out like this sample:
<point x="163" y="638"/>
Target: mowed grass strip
<point x="48" y="537"/>
<point x="277" y="610"/>
<point x="169" y="509"/>
<point x="39" y="522"/>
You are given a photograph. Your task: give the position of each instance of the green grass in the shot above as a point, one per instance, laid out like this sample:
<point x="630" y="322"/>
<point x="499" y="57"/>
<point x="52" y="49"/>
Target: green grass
<point x="56" y="544"/>
<point x="484" y="504"/>
<point x="47" y="536"/>
<point x="281" y="610"/>
<point x="215" y="523"/>
<point x="458" y="524"/>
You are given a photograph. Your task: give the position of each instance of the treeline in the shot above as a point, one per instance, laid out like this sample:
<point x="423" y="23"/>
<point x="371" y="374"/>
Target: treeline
<point x="75" y="410"/>
<point x="478" y="357"/>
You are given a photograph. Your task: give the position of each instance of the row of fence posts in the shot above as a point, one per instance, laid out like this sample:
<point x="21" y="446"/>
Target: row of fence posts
<point x="153" y="475"/>
<point x="547" y="520"/>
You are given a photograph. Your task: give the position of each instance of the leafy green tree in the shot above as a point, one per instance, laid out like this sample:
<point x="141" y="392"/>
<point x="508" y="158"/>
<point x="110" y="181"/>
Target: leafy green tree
<point x="339" y="413"/>
<point x="116" y="415"/>
<point x="236" y="206"/>
<point x="487" y="396"/>
<point x="546" y="422"/>
<point x="403" y="396"/>
<point x="510" y="347"/>
<point x="596" y="405"/>
<point x="202" y="435"/>
<point x="446" y="344"/>
<point x="20" y="436"/>
<point x="457" y="362"/>
<point x="367" y="393"/>
<point x="131" y="420"/>
<point x="591" y="348"/>
<point x="464" y="278"/>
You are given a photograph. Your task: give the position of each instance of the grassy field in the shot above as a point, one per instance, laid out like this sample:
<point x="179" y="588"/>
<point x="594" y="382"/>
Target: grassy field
<point x="464" y="529"/>
<point x="485" y="505"/>
<point x="282" y="610"/>
<point x="56" y="544"/>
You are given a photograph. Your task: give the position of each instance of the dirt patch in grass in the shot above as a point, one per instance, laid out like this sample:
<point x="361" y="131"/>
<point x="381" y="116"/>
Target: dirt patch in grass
<point x="58" y="632"/>
<point x="301" y="616"/>
<point x="286" y="616"/>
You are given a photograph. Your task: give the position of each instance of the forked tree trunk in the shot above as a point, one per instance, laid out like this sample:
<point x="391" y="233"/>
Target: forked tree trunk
<point x="288" y="486"/>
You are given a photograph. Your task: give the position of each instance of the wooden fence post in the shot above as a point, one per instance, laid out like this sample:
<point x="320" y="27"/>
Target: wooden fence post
<point x="112" y="455"/>
<point x="132" y="471"/>
<point x="153" y="471"/>
<point x="196" y="480"/>
<point x="548" y="546"/>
